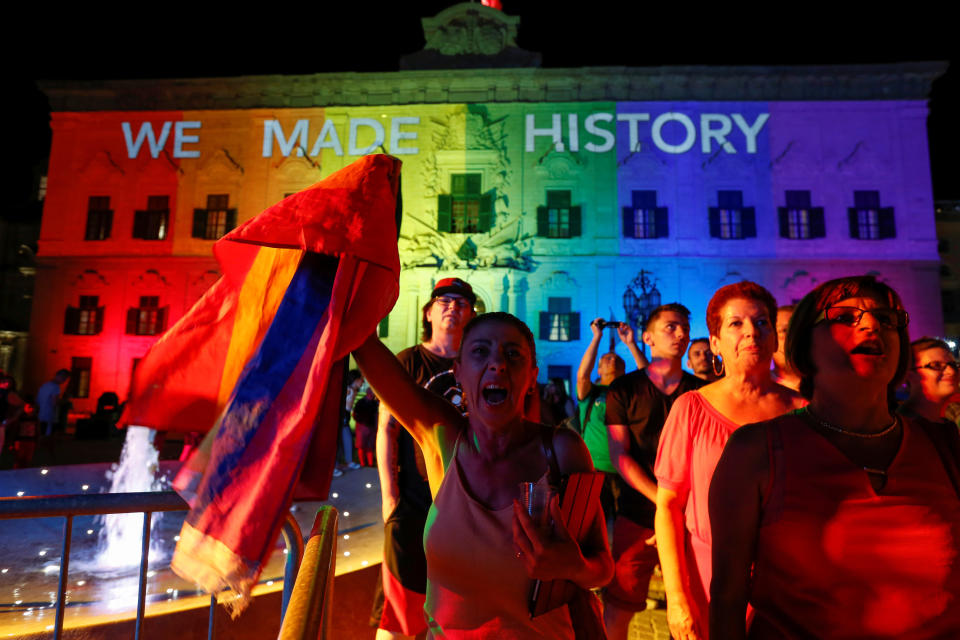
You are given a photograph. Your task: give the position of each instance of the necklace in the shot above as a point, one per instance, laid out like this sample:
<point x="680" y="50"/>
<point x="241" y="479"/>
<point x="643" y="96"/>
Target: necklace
<point x="847" y="432"/>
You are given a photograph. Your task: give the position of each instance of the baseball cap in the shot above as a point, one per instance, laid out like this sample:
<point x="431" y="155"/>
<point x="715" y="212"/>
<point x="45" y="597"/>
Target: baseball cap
<point x="455" y="286"/>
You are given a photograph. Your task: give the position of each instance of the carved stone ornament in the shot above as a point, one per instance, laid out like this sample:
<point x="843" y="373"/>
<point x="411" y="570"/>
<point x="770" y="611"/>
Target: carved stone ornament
<point x="470" y="29"/>
<point x="89" y="279"/>
<point x="150" y="279"/>
<point x="421" y="245"/>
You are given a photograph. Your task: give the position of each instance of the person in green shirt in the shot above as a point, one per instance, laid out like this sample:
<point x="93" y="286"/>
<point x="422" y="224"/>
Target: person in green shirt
<point x="592" y="398"/>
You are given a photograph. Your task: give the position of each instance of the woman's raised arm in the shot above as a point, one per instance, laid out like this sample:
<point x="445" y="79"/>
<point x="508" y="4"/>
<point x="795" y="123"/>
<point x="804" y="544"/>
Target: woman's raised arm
<point x="417" y="409"/>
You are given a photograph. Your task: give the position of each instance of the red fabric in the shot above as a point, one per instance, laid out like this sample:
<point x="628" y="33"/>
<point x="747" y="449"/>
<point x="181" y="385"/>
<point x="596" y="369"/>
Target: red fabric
<point x="836" y="559"/>
<point x="402" y="608"/>
<point x="350" y="212"/>
<point x="690" y="446"/>
<point x="634" y="562"/>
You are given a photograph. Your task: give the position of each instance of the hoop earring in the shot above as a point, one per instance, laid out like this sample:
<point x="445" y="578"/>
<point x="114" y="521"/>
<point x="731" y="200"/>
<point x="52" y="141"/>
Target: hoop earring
<point x="717" y="373"/>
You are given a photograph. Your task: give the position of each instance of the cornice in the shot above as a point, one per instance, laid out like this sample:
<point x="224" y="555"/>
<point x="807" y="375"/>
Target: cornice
<point x="897" y="81"/>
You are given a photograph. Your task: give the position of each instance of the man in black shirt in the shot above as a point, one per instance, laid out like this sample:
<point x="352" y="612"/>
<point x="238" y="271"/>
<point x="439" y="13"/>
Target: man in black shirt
<point x="637" y="407"/>
<point x="404" y="489"/>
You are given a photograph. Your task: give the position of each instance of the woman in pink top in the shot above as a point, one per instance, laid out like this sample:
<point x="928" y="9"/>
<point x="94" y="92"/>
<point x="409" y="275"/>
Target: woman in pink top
<point x="744" y="339"/>
<point x="841" y="520"/>
<point x="482" y="549"/>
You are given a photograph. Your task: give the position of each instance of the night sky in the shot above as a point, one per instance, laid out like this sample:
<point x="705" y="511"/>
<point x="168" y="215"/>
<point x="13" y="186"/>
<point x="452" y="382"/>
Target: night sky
<point x="148" y="42"/>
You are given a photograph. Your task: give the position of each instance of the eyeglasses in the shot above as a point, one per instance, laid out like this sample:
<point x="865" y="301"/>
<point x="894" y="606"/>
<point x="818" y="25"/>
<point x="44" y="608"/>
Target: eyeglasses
<point x="458" y="303"/>
<point x="851" y="316"/>
<point x="940" y="366"/>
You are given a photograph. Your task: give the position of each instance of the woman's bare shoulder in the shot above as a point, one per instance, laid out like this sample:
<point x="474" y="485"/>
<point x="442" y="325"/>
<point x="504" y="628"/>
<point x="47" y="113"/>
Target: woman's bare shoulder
<point x="789" y="398"/>
<point x="572" y="454"/>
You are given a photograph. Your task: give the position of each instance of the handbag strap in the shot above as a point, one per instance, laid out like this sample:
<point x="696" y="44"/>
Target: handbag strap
<point x="553" y="467"/>
<point x="591" y="399"/>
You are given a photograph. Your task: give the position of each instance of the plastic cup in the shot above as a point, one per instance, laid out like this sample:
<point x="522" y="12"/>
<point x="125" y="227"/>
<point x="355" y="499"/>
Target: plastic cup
<point x="535" y="499"/>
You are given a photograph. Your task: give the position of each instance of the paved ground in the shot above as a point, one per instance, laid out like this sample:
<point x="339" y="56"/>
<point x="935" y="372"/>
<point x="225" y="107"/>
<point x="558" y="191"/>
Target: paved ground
<point x="356" y="495"/>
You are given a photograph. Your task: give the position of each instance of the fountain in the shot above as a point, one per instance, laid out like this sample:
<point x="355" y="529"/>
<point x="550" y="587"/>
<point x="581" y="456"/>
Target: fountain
<point x="120" y="536"/>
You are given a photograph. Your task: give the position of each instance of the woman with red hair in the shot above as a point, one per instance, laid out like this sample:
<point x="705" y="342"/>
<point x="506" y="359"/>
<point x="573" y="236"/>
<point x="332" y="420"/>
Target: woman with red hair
<point x="840" y="520"/>
<point x="740" y="318"/>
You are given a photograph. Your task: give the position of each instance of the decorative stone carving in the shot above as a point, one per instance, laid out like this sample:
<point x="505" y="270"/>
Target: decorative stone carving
<point x="470" y="29"/>
<point x="90" y="279"/>
<point x="794" y="287"/>
<point x="150" y="279"/>
<point x="421" y="245"/>
<point x="561" y="281"/>
<point x="220" y="166"/>
<point x="100" y="165"/>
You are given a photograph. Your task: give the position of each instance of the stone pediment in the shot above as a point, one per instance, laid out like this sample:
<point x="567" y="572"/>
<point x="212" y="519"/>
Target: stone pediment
<point x="469" y="28"/>
<point x="470" y="35"/>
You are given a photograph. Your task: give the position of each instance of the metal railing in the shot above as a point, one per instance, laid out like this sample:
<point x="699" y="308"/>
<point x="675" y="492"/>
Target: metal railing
<point x="308" y="616"/>
<point x="146" y="503"/>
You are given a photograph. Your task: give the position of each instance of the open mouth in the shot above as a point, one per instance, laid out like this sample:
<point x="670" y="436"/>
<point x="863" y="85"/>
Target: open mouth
<point x="493" y="394"/>
<point x="869" y="348"/>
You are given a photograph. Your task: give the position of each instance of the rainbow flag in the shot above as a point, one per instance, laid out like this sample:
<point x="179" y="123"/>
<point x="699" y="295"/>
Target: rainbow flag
<point x="258" y="364"/>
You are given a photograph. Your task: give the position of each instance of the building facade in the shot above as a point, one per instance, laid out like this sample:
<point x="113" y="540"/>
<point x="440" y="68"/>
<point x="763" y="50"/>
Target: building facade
<point x="548" y="190"/>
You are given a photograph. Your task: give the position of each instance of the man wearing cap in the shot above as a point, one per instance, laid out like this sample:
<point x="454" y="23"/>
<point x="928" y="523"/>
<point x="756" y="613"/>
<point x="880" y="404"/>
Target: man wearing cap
<point x="403" y="477"/>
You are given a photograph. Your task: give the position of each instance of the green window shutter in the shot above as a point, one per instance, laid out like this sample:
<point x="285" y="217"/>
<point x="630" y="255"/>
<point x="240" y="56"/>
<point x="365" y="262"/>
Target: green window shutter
<point x="139" y="224"/>
<point x="444" y="212"/>
<point x="852" y="219"/>
<point x="485" y="218"/>
<point x="545" y="325"/>
<point x="574" y="325"/>
<point x="748" y="222"/>
<point x="627" y="219"/>
<point x="132" y="314"/>
<point x="98" y="323"/>
<point x="231" y="220"/>
<point x="199" y="223"/>
<point x="383" y="329"/>
<point x="661" y="222"/>
<point x="818" y="227"/>
<point x="70" y="320"/>
<point x="714" y="222"/>
<point x="888" y="228"/>
<point x="162" y="316"/>
<point x="543" y="221"/>
<point x="784" y="218"/>
<point x="575" y="221"/>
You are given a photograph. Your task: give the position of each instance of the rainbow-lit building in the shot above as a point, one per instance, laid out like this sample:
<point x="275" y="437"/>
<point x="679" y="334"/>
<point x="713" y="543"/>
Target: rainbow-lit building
<point x="549" y="190"/>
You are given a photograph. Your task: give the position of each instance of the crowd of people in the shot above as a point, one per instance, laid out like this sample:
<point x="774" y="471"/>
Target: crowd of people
<point x="26" y="420"/>
<point x="780" y="484"/>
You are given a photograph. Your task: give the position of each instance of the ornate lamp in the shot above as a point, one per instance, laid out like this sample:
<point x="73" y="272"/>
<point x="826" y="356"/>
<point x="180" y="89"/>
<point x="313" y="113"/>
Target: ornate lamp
<point x="640" y="299"/>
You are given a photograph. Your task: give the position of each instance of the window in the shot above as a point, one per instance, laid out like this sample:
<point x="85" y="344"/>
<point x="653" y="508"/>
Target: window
<point x="216" y="220"/>
<point x="80" y="377"/>
<point x="643" y="218"/>
<point x="558" y="219"/>
<point x="99" y="218"/>
<point x="148" y="319"/>
<point x="868" y="220"/>
<point x="558" y="323"/>
<point x="465" y="209"/>
<point x="85" y="320"/>
<point x="730" y="220"/>
<point x="151" y="223"/>
<point x="799" y="220"/>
